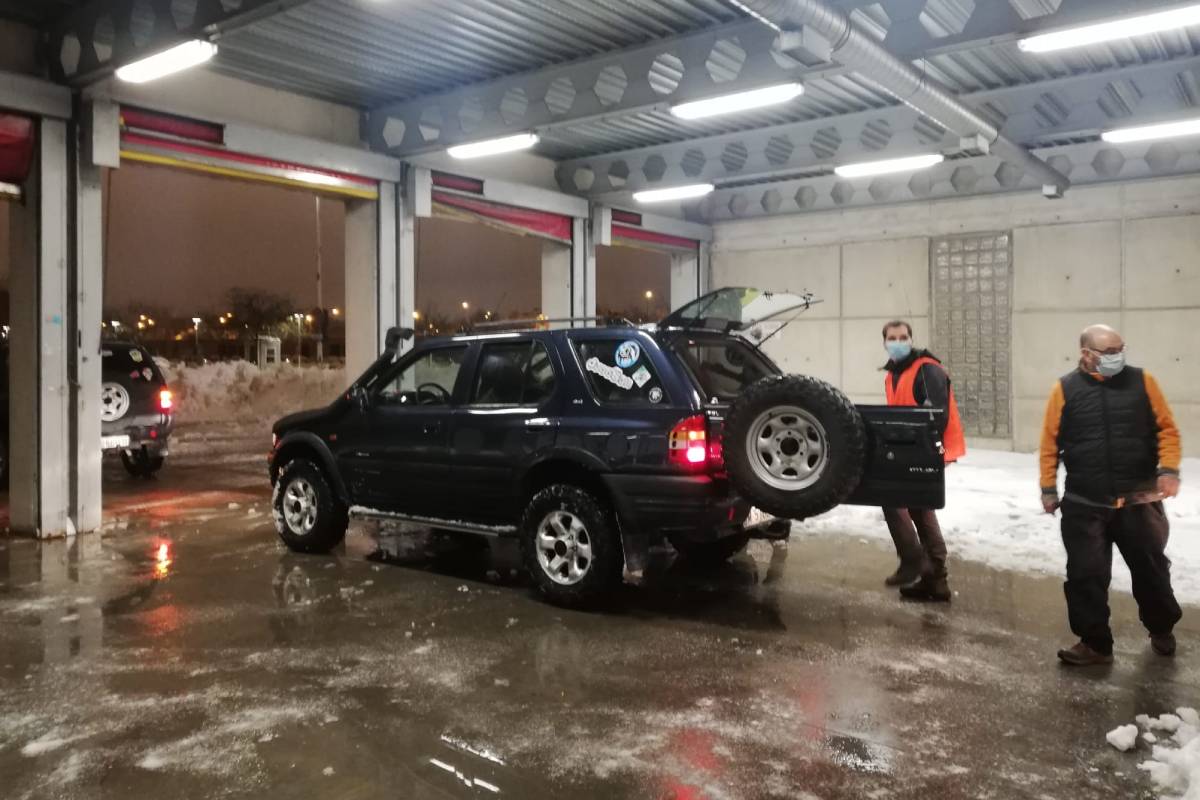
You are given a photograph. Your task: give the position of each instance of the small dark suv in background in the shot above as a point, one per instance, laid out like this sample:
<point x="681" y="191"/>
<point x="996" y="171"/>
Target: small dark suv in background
<point x="591" y="443"/>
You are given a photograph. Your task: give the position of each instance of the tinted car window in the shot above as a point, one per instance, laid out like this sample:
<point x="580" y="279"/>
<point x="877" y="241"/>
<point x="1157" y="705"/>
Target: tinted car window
<point x="620" y="371"/>
<point x="128" y="361"/>
<point x="428" y="381"/>
<point x="513" y="373"/>
<point x="722" y="368"/>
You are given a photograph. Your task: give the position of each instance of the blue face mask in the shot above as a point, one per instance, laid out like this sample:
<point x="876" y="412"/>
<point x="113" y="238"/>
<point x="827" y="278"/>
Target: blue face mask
<point x="898" y="350"/>
<point x="1111" y="364"/>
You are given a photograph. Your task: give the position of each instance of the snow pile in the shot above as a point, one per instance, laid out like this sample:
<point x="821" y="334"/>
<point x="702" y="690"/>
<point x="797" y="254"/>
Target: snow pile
<point x="1174" y="765"/>
<point x="994" y="515"/>
<point x="1123" y="738"/>
<point x="238" y="391"/>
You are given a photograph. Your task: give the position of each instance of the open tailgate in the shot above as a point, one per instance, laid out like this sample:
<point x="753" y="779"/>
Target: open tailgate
<point x="905" y="467"/>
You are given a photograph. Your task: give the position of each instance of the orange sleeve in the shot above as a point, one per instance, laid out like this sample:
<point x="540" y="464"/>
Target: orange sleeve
<point x="1170" y="447"/>
<point x="1048" y="457"/>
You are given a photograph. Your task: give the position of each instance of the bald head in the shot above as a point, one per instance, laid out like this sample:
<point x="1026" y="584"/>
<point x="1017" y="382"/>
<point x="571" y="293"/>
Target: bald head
<point x="1100" y="338"/>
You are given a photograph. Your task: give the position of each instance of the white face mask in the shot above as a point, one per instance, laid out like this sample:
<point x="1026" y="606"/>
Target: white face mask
<point x="1111" y="364"/>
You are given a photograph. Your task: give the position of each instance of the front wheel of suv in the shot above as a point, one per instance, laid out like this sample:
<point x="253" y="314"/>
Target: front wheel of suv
<point x="308" y="515"/>
<point x="571" y="545"/>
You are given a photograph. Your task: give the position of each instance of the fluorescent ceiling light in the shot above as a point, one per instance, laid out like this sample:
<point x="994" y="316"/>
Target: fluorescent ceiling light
<point x="674" y="193"/>
<point x="741" y="101"/>
<point x="1143" y="133"/>
<point x="1113" y="29"/>
<point x="491" y="147"/>
<point x="168" y="62"/>
<point x="889" y="166"/>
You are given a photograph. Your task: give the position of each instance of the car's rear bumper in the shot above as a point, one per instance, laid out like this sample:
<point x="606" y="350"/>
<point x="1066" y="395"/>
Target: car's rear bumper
<point x="145" y="431"/>
<point x="697" y="507"/>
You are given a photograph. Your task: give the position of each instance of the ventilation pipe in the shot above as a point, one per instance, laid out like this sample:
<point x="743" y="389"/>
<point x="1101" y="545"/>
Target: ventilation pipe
<point x="853" y="48"/>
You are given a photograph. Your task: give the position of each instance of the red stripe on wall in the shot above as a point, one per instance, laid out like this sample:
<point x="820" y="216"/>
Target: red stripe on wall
<point x="172" y="125"/>
<point x="16" y="148"/>
<point x="650" y="237"/>
<point x="542" y="223"/>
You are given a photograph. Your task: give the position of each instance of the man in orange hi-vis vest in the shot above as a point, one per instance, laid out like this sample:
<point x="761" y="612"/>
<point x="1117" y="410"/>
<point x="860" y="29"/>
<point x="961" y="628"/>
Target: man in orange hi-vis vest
<point x="917" y="378"/>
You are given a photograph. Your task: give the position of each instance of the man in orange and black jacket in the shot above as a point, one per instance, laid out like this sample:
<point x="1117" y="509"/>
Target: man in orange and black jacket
<point x="1111" y="427"/>
<point x="916" y="378"/>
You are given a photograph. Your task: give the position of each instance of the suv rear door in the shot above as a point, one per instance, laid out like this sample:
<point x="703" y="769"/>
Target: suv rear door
<point x="511" y="412"/>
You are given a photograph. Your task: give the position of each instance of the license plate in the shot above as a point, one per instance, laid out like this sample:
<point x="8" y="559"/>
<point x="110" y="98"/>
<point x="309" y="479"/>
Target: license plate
<point x="758" y="517"/>
<point x="113" y="442"/>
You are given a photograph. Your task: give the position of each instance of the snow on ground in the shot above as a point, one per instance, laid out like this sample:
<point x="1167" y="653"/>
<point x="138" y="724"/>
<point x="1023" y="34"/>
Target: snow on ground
<point x="994" y="515"/>
<point x="1174" y="763"/>
<point x="238" y="391"/>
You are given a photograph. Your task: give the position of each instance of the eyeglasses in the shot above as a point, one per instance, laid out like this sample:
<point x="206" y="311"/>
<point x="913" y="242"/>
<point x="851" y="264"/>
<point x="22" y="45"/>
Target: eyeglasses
<point x="1112" y="351"/>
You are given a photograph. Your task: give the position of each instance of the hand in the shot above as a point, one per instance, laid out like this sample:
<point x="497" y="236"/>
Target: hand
<point x="1168" y="485"/>
<point x="1050" y="503"/>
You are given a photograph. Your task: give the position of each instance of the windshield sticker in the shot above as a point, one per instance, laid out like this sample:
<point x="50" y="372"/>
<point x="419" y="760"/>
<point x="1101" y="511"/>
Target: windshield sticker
<point x="655" y="395"/>
<point x="628" y="353"/>
<point x="610" y="374"/>
<point x="136" y="355"/>
<point x="641" y="376"/>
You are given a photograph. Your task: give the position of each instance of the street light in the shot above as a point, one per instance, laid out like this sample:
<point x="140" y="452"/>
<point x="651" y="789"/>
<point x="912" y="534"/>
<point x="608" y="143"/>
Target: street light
<point x="465" y="305"/>
<point x="337" y="312"/>
<point x="649" y="295"/>
<point x="196" y="327"/>
<point x="299" y="317"/>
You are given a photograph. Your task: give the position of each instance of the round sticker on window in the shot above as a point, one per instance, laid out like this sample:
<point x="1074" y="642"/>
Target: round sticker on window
<point x="655" y="395"/>
<point x="628" y="353"/>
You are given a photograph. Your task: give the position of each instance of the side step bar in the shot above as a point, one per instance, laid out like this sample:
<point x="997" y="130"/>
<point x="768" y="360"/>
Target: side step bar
<point x="461" y="526"/>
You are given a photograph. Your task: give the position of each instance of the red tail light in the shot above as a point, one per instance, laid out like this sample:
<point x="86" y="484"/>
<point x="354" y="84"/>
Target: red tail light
<point x="687" y="444"/>
<point x="166" y="400"/>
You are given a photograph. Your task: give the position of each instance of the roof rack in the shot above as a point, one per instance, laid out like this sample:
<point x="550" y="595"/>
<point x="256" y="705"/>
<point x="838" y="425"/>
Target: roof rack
<point x="543" y="323"/>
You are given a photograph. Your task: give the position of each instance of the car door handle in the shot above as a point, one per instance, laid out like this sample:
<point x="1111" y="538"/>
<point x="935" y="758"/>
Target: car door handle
<point x="540" y="423"/>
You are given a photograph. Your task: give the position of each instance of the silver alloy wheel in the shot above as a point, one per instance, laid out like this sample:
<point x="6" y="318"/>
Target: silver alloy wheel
<point x="114" y="402"/>
<point x="564" y="547"/>
<point x="300" y="506"/>
<point x="787" y="448"/>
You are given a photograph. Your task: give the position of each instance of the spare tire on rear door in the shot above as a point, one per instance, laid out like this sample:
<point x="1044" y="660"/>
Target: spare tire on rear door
<point x="794" y="446"/>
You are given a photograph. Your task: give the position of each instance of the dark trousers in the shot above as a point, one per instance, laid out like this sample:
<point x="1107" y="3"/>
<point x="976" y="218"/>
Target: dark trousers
<point x="918" y="539"/>
<point x="1140" y="533"/>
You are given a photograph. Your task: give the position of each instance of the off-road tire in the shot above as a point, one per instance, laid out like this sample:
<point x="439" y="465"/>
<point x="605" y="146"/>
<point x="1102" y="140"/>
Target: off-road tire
<point x="329" y="527"/>
<point x="845" y="443"/>
<point x="711" y="553"/>
<point x="604" y="570"/>
<point x="141" y="464"/>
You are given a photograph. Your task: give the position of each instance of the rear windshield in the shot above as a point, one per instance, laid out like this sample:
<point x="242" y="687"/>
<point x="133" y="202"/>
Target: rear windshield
<point x="721" y="367"/>
<point x="620" y="371"/>
<point x="130" y="361"/>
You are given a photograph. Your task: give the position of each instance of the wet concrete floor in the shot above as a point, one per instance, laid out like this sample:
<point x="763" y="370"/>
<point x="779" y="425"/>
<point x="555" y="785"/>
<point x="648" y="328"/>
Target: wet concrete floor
<point x="184" y="653"/>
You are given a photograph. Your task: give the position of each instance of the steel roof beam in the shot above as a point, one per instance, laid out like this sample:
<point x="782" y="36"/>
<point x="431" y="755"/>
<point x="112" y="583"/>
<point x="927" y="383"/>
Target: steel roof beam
<point x="1030" y="114"/>
<point x="682" y="68"/>
<point x="97" y="39"/>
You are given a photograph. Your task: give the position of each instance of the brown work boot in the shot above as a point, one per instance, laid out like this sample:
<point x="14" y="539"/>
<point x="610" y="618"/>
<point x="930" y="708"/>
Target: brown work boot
<point x="1163" y="643"/>
<point x="929" y="590"/>
<point x="903" y="576"/>
<point x="1081" y="655"/>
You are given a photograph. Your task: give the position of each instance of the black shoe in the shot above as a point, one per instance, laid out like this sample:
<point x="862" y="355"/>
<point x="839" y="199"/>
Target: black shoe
<point x="1163" y="643"/>
<point x="929" y="590"/>
<point x="903" y="576"/>
<point x="1081" y="655"/>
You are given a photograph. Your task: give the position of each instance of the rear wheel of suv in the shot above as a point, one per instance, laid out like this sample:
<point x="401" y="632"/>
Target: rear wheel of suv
<point x="794" y="446"/>
<point x="712" y="553"/>
<point x="570" y="545"/>
<point x="140" y="464"/>
<point x="308" y="515"/>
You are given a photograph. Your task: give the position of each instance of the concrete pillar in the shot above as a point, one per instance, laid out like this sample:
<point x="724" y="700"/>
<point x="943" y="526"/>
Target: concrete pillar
<point x="556" y="279"/>
<point x="685" y="277"/>
<point x="406" y="251"/>
<point x="88" y="303"/>
<point x="43" y="415"/>
<point x="362" y="287"/>
<point x="583" y="269"/>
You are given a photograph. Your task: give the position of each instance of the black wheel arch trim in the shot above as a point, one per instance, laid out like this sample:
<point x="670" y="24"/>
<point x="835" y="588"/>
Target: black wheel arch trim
<point x="310" y="442"/>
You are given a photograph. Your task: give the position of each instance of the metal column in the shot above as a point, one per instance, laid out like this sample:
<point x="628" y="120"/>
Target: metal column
<point x="583" y="269"/>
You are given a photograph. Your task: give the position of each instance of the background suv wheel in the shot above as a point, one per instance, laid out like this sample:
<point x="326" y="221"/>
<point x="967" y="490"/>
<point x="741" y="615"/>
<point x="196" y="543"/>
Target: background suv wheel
<point x="570" y="545"/>
<point x="308" y="515"/>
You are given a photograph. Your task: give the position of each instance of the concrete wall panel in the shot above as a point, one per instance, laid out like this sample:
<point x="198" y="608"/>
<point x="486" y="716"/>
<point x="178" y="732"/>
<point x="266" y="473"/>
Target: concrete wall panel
<point x="1027" y="429"/>
<point x="1165" y="342"/>
<point x="886" y="279"/>
<point x="1046" y="347"/>
<point x="809" y="347"/>
<point x="1067" y="267"/>
<point x="796" y="269"/>
<point x="1162" y="262"/>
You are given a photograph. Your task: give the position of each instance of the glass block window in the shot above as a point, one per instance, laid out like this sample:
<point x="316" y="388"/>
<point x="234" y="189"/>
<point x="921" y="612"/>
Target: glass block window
<point x="972" y="326"/>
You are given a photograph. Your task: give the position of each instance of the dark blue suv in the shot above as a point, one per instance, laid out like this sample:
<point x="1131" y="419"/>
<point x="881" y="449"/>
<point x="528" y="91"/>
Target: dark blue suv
<point x="592" y="443"/>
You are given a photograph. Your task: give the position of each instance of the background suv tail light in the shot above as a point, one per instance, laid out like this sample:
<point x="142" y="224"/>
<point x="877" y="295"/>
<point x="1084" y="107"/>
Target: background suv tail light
<point x="166" y="400"/>
<point x="688" y="443"/>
